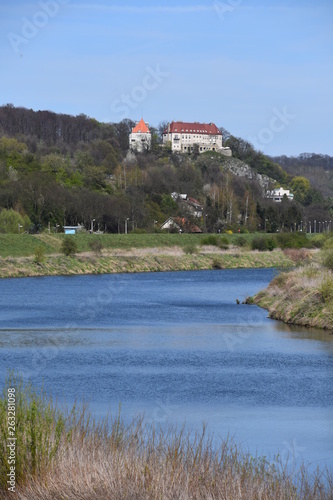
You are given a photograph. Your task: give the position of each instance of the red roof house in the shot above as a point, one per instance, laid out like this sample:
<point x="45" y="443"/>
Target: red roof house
<point x="140" y="137"/>
<point x="185" y="137"/>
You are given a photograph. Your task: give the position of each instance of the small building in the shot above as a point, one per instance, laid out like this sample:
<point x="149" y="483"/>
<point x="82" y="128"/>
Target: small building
<point x="178" y="196"/>
<point x="185" y="137"/>
<point x="180" y="224"/>
<point x="277" y="195"/>
<point x="140" y="137"/>
<point x="195" y="207"/>
<point x="72" y="229"/>
<point x="191" y="204"/>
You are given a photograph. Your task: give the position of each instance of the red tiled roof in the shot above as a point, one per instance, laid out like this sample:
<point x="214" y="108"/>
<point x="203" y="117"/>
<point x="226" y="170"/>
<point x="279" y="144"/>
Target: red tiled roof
<point x="141" y="127"/>
<point x="193" y="200"/>
<point x="186" y="225"/>
<point x="193" y="128"/>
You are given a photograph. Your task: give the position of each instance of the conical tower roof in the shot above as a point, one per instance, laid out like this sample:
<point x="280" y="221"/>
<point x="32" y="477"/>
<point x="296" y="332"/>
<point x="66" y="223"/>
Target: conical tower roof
<point x="141" y="127"/>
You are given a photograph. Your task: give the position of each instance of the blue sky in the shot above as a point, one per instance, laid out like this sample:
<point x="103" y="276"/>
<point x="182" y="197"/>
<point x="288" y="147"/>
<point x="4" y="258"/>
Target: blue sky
<point x="261" y="69"/>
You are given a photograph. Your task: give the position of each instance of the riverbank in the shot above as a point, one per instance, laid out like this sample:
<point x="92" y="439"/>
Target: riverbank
<point x="303" y="297"/>
<point x="142" y="260"/>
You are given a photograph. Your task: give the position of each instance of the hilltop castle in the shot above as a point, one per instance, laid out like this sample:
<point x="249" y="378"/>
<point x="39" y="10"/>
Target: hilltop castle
<point x="140" y="137"/>
<point x="184" y="137"/>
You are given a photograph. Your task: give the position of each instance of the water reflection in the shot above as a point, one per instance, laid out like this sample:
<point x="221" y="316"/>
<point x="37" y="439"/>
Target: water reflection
<point x="294" y="331"/>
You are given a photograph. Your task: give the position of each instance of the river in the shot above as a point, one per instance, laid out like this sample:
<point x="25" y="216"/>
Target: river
<point x="178" y="348"/>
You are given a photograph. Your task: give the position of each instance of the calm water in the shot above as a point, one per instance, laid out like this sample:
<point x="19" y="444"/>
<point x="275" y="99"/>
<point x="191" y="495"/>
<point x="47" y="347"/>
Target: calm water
<point x="177" y="347"/>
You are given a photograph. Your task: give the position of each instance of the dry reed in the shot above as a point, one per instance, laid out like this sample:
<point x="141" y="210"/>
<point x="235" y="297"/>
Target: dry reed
<point x="112" y="460"/>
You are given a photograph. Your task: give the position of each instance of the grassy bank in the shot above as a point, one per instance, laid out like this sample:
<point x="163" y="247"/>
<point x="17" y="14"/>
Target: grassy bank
<point x="154" y="260"/>
<point x="66" y="455"/>
<point x="303" y="296"/>
<point x="24" y="245"/>
<point x="15" y="245"/>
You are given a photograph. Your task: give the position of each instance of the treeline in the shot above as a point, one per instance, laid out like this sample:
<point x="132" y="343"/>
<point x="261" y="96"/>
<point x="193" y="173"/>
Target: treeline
<point x="58" y="170"/>
<point x="315" y="167"/>
<point x="64" y="132"/>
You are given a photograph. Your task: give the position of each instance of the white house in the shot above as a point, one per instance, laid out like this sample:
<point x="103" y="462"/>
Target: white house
<point x="192" y="205"/>
<point x="183" y="136"/>
<point x="278" y="194"/>
<point x="140" y="137"/>
<point x="180" y="224"/>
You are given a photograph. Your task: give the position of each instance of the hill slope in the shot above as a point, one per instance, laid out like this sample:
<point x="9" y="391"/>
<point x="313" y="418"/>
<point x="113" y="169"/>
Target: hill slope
<point x="58" y="169"/>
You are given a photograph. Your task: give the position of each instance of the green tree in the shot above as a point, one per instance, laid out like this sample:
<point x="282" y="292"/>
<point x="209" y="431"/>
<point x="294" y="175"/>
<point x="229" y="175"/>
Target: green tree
<point x="168" y="205"/>
<point x="11" y="146"/>
<point x="69" y="246"/>
<point x="301" y="188"/>
<point x="13" y="222"/>
<point x="39" y="255"/>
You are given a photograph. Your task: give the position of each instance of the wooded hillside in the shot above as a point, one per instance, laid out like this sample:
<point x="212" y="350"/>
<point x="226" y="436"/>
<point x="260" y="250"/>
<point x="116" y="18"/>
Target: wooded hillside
<point x="57" y="169"/>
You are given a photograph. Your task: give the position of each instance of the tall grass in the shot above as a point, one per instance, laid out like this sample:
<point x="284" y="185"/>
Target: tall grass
<point x="38" y="431"/>
<point x="73" y="457"/>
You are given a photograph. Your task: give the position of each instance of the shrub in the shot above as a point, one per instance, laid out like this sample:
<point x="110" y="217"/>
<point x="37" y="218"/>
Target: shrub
<point x="293" y="240"/>
<point x="69" y="246"/>
<point x="223" y="243"/>
<point x="96" y="246"/>
<point x="39" y="255"/>
<point x="190" y="248"/>
<point x="210" y="239"/>
<point x="259" y="243"/>
<point x="328" y="243"/>
<point x="271" y="243"/>
<point x="328" y="259"/>
<point x="263" y="243"/>
<point x="241" y="241"/>
<point x="326" y="290"/>
<point x="318" y="241"/>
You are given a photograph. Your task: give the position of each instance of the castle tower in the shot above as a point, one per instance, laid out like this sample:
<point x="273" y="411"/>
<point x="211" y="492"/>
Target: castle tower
<point x="140" y="137"/>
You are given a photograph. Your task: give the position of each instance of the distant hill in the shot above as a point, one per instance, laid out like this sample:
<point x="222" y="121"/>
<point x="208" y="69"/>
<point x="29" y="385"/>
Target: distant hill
<point x="58" y="169"/>
<point x="317" y="168"/>
<point x="61" y="130"/>
<point x="307" y="159"/>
